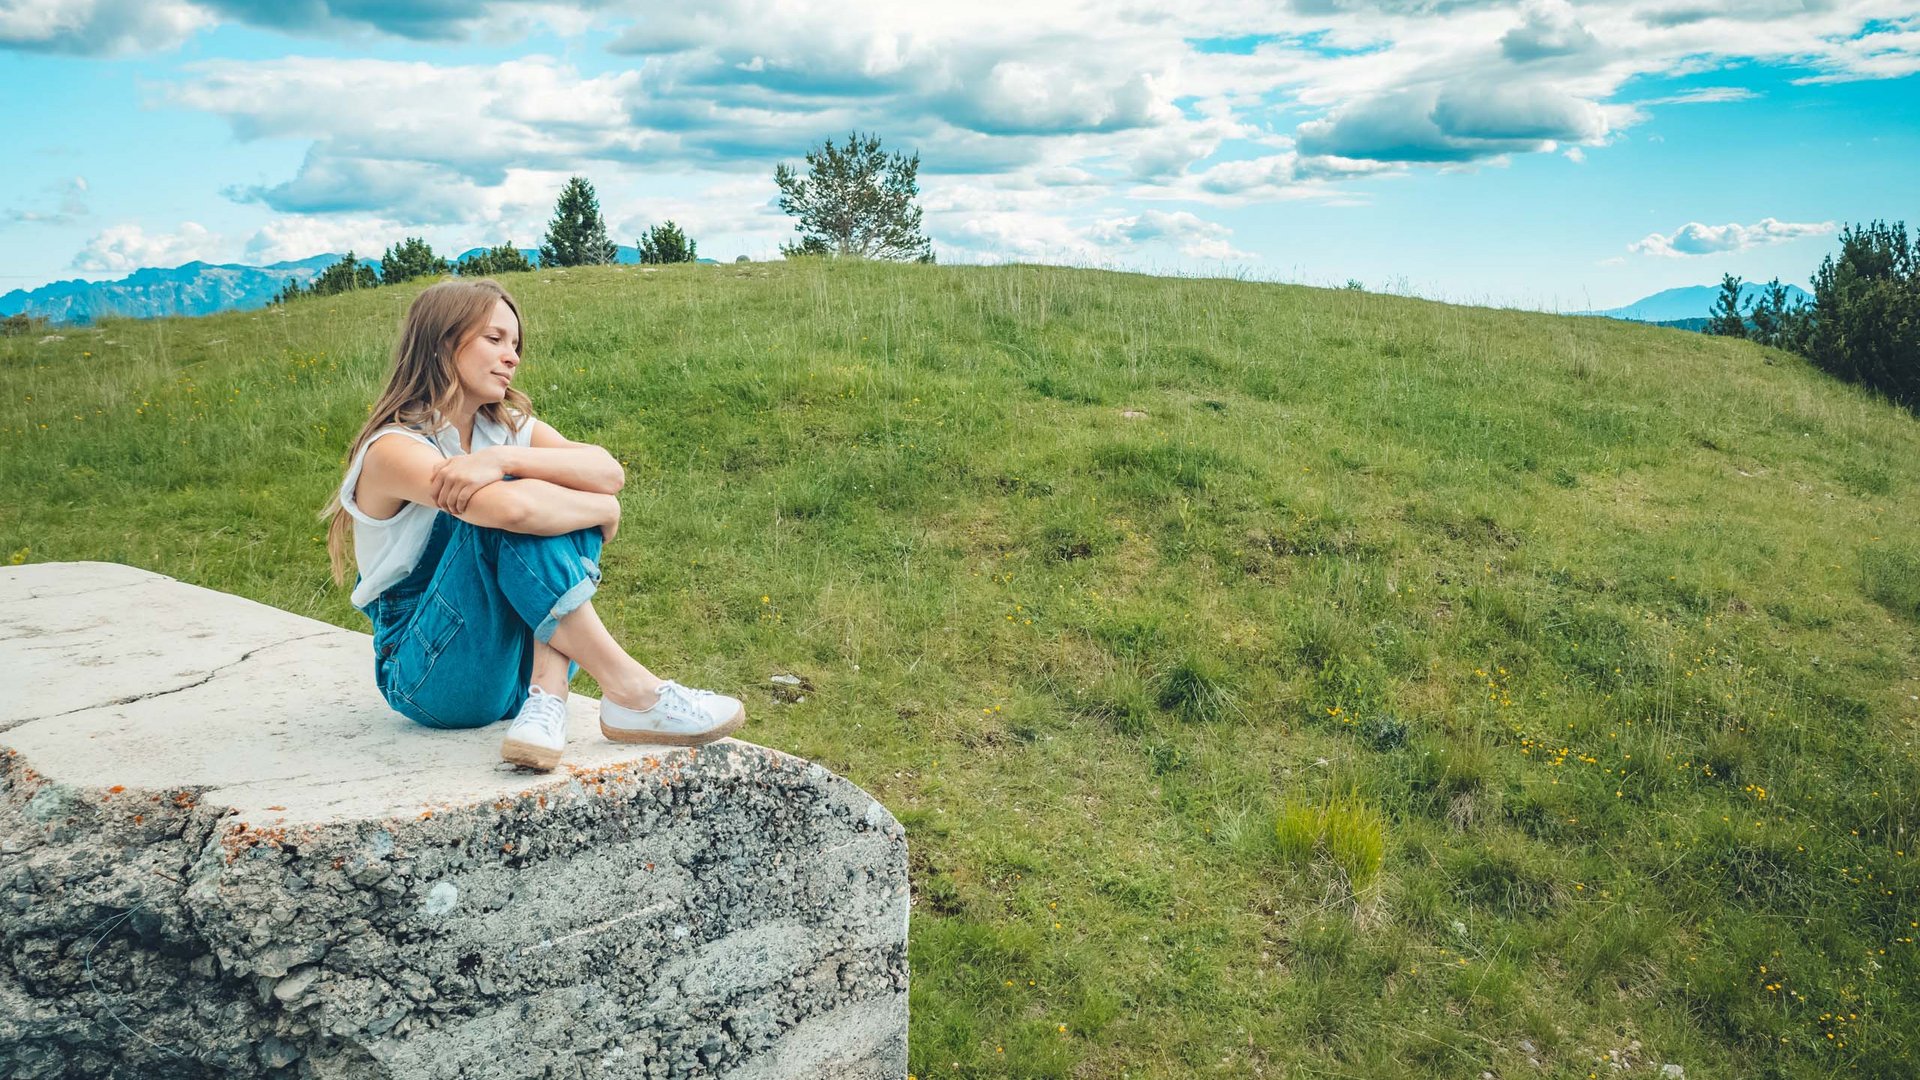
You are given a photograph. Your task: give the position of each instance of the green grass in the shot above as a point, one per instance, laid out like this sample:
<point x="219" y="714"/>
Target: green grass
<point x="1604" y="633"/>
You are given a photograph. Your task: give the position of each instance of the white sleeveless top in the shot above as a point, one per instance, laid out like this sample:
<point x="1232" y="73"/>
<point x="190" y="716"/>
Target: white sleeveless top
<point x="386" y="549"/>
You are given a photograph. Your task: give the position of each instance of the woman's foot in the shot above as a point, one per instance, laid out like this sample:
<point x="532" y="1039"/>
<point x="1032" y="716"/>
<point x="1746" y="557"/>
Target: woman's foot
<point x="676" y="716"/>
<point x="536" y="736"/>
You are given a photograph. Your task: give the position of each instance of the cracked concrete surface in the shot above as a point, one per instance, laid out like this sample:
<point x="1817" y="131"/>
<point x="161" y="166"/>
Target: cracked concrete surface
<point x="226" y="857"/>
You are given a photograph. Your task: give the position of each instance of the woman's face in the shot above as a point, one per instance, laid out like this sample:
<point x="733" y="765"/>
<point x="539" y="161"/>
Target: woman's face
<point x="487" y="361"/>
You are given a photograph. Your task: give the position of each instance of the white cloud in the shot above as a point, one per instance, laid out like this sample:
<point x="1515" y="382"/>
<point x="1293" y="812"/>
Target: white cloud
<point x="1016" y="236"/>
<point x="121" y="248"/>
<point x="1469" y="120"/>
<point x="1021" y="109"/>
<point x="1693" y="238"/>
<point x="99" y="27"/>
<point x="1888" y="53"/>
<point x="1548" y="30"/>
<point x="1193" y="236"/>
<point x="68" y="202"/>
<point x="478" y="120"/>
<point x="1705" y="95"/>
<point x="300" y="236"/>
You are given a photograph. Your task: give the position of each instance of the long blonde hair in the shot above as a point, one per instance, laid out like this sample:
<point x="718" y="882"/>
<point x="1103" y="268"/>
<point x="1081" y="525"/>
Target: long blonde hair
<point x="424" y="383"/>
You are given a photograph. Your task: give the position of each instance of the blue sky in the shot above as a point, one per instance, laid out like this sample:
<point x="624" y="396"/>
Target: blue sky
<point x="1540" y="153"/>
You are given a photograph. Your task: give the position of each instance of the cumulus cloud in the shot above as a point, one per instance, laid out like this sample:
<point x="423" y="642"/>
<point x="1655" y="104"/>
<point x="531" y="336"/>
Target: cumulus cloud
<point x="300" y="236"/>
<point x="477" y="120"/>
<point x="1019" y="112"/>
<point x="1285" y="175"/>
<point x="1193" y="236"/>
<point x="99" y="27"/>
<point x="1016" y="236"/>
<point x="121" y="248"/>
<point x="1549" y="29"/>
<point x="1693" y="238"/>
<point x="1463" y="122"/>
<point x="102" y="27"/>
<point x="1889" y="52"/>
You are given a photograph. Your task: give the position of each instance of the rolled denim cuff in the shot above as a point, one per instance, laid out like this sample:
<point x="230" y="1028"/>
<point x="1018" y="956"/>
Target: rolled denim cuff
<point x="568" y="602"/>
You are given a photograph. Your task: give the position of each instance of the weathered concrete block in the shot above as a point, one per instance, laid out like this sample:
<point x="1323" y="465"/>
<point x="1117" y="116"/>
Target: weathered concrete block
<point x="224" y="856"/>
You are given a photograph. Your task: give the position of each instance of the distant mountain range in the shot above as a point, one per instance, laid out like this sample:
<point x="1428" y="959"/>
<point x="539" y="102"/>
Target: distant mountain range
<point x="200" y="288"/>
<point x="196" y="288"/>
<point x="1691" y="303"/>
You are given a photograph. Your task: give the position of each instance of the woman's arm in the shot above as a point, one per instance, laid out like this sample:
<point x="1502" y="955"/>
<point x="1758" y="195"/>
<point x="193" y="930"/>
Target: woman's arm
<point x="405" y="469"/>
<point x="551" y="458"/>
<point x="559" y="460"/>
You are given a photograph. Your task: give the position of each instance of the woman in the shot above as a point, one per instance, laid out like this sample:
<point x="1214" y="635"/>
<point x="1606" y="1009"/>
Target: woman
<point x="477" y="531"/>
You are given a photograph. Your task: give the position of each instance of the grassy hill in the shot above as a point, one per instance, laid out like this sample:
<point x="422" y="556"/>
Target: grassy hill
<point x="1273" y="681"/>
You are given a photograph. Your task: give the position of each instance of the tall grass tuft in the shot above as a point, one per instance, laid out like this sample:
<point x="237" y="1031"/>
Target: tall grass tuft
<point x="1347" y="832"/>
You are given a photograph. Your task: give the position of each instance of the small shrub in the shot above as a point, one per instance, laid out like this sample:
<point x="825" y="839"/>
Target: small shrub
<point x="21" y="323"/>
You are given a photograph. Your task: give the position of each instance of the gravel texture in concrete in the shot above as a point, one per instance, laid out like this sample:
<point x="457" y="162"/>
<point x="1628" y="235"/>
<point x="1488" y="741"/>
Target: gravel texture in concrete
<point x="224" y="856"/>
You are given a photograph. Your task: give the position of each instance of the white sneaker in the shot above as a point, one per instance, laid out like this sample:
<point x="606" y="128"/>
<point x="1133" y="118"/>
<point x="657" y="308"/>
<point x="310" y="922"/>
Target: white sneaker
<point x="682" y="717"/>
<point x="536" y="736"/>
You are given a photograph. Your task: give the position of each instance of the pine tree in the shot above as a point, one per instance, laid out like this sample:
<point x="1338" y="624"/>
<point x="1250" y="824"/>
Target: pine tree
<point x="1865" y="322"/>
<point x="577" y="235"/>
<point x="505" y="259"/>
<point x="665" y="243"/>
<point x="1770" y="314"/>
<point x="409" y="259"/>
<point x="344" y="276"/>
<point x="856" y="201"/>
<point x="290" y="291"/>
<point x="1725" y="319"/>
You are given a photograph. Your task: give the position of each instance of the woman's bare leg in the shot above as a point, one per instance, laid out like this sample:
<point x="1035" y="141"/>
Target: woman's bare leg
<point x="582" y="636"/>
<point x="550" y="669"/>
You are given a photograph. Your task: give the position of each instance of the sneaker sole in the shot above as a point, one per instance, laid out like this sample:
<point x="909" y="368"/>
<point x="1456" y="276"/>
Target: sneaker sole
<point x="647" y="737"/>
<point x="515" y="752"/>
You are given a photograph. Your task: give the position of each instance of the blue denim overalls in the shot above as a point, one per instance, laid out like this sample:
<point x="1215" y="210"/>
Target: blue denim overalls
<point x="453" y="640"/>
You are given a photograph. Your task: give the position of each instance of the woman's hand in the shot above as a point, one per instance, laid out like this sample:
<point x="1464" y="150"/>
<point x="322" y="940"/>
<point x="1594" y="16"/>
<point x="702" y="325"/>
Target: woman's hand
<point x="456" y="479"/>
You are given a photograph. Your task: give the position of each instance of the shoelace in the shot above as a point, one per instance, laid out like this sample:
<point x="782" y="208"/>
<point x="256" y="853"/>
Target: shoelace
<point x="547" y="710"/>
<point x="683" y="700"/>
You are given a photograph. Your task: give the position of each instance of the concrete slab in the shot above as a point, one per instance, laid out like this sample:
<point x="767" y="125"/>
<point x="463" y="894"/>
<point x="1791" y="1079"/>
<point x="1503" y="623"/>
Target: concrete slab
<point x="228" y="857"/>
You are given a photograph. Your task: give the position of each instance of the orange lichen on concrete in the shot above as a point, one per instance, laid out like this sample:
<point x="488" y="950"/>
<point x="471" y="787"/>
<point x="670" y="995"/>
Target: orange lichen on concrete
<point x="241" y="838"/>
